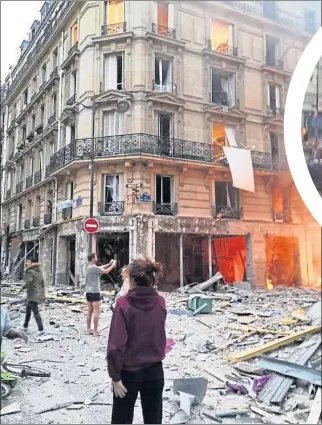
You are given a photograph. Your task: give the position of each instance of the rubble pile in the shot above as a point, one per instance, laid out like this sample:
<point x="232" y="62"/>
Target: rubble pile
<point x="236" y="356"/>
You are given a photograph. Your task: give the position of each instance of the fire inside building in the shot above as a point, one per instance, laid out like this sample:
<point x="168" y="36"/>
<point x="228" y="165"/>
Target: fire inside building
<point x="166" y="125"/>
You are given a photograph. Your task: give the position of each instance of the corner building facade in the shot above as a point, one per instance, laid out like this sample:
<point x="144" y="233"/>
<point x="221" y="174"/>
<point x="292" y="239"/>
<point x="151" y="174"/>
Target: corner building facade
<point x="173" y="83"/>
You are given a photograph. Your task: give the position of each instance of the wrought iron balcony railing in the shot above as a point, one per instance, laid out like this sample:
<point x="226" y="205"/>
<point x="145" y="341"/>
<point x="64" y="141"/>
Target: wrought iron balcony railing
<point x="48" y="171"/>
<point x="111" y="208"/>
<point x="47" y="219"/>
<point x="118" y="28"/>
<point x="165" y="31"/>
<point x="166" y="87"/>
<point x="37" y="177"/>
<point x="223" y="98"/>
<point x="275" y="112"/>
<point x="161" y="208"/>
<point x="29" y="182"/>
<point x="274" y="63"/>
<point x="8" y="194"/>
<point x="27" y="224"/>
<point x="73" y="49"/>
<point x="222" y="48"/>
<point x="72" y="100"/>
<point x="52" y="119"/>
<point x="49" y="30"/>
<point x="222" y="211"/>
<point x="67" y="213"/>
<point x="11" y="155"/>
<point x="19" y="187"/>
<point x="143" y="144"/>
<point x="36" y="222"/>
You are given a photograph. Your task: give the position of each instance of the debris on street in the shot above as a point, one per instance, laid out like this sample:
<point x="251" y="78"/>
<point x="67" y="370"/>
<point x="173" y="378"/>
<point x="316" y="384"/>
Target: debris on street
<point x="236" y="361"/>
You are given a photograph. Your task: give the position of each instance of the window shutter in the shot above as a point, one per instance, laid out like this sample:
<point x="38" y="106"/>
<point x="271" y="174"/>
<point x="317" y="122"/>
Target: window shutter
<point x="110" y="74"/>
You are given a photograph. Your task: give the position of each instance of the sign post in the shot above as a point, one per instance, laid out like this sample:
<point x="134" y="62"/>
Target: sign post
<point x="91" y="226"/>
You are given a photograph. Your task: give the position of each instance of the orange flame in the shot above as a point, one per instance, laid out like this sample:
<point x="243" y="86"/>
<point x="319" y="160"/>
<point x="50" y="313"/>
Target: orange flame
<point x="269" y="284"/>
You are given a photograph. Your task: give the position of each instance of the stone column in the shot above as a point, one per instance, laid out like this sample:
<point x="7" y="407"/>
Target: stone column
<point x="46" y="260"/>
<point x="141" y="235"/>
<point x="81" y="248"/>
<point x="258" y="259"/>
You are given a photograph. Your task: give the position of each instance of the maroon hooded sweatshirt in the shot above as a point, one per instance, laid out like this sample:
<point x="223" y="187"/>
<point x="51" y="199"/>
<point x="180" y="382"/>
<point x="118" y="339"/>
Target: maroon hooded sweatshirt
<point x="137" y="336"/>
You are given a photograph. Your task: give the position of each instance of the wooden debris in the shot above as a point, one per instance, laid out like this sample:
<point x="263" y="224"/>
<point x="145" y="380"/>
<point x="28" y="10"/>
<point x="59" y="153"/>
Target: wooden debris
<point x="246" y="320"/>
<point x="288" y="322"/>
<point x="315" y="411"/>
<point x="272" y="345"/>
<point x="234" y="341"/>
<point x="252" y="328"/>
<point x="213" y="418"/>
<point x="66" y="299"/>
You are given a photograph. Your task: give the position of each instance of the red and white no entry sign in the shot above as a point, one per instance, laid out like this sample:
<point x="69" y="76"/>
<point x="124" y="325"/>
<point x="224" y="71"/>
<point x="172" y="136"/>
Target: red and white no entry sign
<point x="91" y="225"/>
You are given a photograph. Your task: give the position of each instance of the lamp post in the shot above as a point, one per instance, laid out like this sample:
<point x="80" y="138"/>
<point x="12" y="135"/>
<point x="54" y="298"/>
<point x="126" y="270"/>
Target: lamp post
<point x="122" y="105"/>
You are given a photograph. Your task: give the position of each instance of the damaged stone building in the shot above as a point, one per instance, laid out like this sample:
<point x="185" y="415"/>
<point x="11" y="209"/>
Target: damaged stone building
<point x="185" y="100"/>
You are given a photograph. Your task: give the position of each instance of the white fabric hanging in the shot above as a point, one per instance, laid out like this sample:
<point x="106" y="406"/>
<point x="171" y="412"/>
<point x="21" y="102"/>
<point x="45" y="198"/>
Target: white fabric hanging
<point x="241" y="168"/>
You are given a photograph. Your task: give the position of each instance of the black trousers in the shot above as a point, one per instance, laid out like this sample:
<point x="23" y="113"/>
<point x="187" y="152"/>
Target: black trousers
<point x="33" y="307"/>
<point x="149" y="382"/>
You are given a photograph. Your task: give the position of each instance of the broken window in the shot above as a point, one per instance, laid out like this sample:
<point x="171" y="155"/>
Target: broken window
<point x="28" y="210"/>
<point x="163" y="75"/>
<point x="111" y="187"/>
<point x="22" y="173"/>
<point x="221" y="38"/>
<point x="226" y="200"/>
<point x="19" y="217"/>
<point x="275" y="151"/>
<point x="272" y="50"/>
<point x="162" y="18"/>
<point x="274" y="95"/>
<point x="222" y="136"/>
<point x="164" y="195"/>
<point x="114" y="72"/>
<point x="42" y="114"/>
<point x="165" y="133"/>
<point x="270" y="9"/>
<point x="33" y="123"/>
<point x="223" y="88"/>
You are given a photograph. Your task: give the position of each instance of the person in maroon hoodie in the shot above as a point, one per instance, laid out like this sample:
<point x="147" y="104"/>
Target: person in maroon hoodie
<point x="136" y="346"/>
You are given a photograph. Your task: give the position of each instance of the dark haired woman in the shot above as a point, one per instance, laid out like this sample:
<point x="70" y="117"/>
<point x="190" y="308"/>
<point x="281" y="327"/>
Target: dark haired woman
<point x="136" y="346"/>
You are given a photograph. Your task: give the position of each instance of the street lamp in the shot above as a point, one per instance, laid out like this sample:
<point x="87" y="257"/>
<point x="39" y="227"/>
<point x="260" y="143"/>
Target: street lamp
<point x="122" y="105"/>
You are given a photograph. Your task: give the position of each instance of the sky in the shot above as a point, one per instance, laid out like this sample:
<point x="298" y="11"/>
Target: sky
<point x="16" y="20"/>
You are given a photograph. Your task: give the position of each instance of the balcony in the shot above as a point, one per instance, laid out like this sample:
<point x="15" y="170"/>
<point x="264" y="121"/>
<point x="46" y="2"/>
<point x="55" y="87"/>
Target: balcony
<point x="35" y="50"/>
<point x="27" y="224"/>
<point x="52" y="119"/>
<point x="36" y="222"/>
<point x="47" y="219"/>
<point x="73" y="52"/>
<point x="272" y="111"/>
<point x="48" y="171"/>
<point x="29" y="182"/>
<point x="21" y="146"/>
<point x="272" y="62"/>
<point x="167" y="87"/>
<point x="111" y="208"/>
<point x="37" y="177"/>
<point x="72" y="100"/>
<point x="19" y="187"/>
<point x="222" y="211"/>
<point x="164" y="31"/>
<point x="112" y="29"/>
<point x="30" y="137"/>
<point x="39" y="129"/>
<point x="222" y="48"/>
<point x="67" y="213"/>
<point x="11" y="155"/>
<point x="8" y="194"/>
<point x="164" y="208"/>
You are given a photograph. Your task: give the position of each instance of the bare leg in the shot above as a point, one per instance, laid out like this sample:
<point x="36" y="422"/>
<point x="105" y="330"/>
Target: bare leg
<point x="96" y="313"/>
<point x="89" y="318"/>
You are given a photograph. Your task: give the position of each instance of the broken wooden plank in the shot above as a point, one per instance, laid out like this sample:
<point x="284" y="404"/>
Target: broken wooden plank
<point x="272" y="345"/>
<point x="233" y="341"/>
<point x="253" y="328"/>
<point x="214" y="373"/>
<point x="316" y="407"/>
<point x="66" y="299"/>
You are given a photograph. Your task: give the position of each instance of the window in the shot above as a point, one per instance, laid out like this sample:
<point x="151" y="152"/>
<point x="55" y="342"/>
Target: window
<point x="113" y="123"/>
<point x="44" y="72"/>
<point x="55" y="58"/>
<point x="270" y="10"/>
<point x="22" y="173"/>
<point x="275" y="151"/>
<point x="25" y="98"/>
<point x="28" y="209"/>
<point x="72" y="84"/>
<point x="33" y="123"/>
<point x="72" y="133"/>
<point x="165" y="126"/>
<point x="310" y="20"/>
<point x="54" y="103"/>
<point x="164" y="195"/>
<point x="31" y="166"/>
<point x="111" y="194"/>
<point x="34" y="84"/>
<point x="114" y="71"/>
<point x="277" y="203"/>
<point x="24" y="133"/>
<point x="74" y="34"/>
<point x="19" y="217"/>
<point x="222" y="136"/>
<point x="163" y="75"/>
<point x="115" y="12"/>
<point x="221" y="39"/>
<point x="42" y="114"/>
<point x="37" y="207"/>
<point x="226" y="200"/>
<point x="223" y="88"/>
<point x="274" y="94"/>
<point x="272" y="51"/>
<point x="162" y="18"/>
